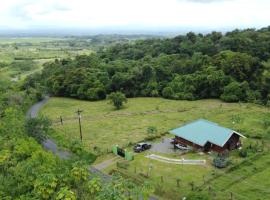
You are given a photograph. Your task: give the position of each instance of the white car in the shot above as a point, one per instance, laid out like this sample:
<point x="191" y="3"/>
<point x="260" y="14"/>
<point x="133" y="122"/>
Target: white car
<point x="181" y="146"/>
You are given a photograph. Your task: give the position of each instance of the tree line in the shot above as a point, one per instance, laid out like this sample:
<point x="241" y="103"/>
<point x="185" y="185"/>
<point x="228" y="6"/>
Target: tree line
<point x="233" y="67"/>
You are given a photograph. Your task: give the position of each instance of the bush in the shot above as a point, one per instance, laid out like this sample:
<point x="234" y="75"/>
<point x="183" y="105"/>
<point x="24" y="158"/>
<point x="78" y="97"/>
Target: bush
<point x="220" y="162"/>
<point x="76" y="147"/>
<point x="117" y="99"/>
<point x="234" y="92"/>
<point x="198" y="196"/>
<point x="167" y="92"/>
<point x="243" y="153"/>
<point x="151" y="130"/>
<point x="38" y="128"/>
<point x="266" y="122"/>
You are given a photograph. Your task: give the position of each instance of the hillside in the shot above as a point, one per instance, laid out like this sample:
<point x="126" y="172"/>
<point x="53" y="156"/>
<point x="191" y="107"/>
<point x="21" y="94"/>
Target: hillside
<point x="232" y="67"/>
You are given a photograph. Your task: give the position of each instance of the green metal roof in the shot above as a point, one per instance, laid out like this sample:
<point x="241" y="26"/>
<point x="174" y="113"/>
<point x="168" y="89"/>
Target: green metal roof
<point x="201" y="131"/>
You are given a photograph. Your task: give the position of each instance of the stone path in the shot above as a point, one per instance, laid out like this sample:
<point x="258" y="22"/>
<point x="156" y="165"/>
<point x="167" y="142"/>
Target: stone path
<point x="176" y="161"/>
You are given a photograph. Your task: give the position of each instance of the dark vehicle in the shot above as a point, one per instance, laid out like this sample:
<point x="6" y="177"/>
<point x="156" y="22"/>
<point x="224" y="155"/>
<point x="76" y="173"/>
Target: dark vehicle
<point x="141" y="147"/>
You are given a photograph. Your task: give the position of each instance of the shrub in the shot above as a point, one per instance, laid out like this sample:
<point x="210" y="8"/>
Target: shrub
<point x="220" y="162"/>
<point x="237" y="119"/>
<point x="151" y="130"/>
<point x="266" y="122"/>
<point x="76" y="147"/>
<point x="167" y="92"/>
<point x="243" y="153"/>
<point x="38" y="128"/>
<point x="117" y="99"/>
<point x="234" y="92"/>
<point x="198" y="196"/>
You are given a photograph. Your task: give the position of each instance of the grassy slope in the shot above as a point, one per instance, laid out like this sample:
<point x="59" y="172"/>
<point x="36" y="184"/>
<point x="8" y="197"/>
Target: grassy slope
<point x="104" y="126"/>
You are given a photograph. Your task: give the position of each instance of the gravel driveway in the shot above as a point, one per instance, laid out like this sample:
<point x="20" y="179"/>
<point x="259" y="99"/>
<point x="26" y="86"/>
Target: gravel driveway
<point x="165" y="147"/>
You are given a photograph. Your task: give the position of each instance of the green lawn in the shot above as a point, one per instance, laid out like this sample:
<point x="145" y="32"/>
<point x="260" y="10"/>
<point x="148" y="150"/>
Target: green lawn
<point x="103" y="126"/>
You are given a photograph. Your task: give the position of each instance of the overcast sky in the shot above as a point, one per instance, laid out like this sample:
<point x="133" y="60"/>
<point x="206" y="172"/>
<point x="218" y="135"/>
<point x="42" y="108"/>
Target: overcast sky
<point x="136" y="14"/>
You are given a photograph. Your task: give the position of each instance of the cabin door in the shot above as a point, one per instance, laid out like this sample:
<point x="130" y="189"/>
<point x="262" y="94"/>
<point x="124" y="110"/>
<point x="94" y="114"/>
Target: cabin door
<point x="207" y="147"/>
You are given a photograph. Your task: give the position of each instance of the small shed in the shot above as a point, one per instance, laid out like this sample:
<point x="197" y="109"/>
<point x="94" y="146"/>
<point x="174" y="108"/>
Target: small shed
<point x="208" y="136"/>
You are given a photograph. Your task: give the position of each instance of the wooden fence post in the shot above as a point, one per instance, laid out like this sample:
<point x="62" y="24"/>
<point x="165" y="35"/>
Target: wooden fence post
<point x="178" y="182"/>
<point x="209" y="189"/>
<point x="61" y="120"/>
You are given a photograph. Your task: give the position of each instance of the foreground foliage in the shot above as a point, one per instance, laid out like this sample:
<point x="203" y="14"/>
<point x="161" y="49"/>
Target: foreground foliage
<point x="27" y="171"/>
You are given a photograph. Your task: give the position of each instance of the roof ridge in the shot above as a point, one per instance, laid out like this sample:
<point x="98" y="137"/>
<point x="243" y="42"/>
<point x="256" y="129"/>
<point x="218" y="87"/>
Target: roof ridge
<point x="205" y="120"/>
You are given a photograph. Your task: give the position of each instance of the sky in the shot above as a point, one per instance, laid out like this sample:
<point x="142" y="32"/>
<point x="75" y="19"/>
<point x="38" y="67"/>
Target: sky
<point x="134" y="14"/>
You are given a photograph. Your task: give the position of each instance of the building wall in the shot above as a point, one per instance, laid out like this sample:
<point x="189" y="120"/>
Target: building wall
<point x="232" y="143"/>
<point x="186" y="142"/>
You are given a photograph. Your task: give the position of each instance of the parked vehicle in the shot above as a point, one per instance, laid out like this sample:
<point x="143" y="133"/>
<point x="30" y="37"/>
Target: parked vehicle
<point x="172" y="141"/>
<point x="181" y="146"/>
<point x="141" y="147"/>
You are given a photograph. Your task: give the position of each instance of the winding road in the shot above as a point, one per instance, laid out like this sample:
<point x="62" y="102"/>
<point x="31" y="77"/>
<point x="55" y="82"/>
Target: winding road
<point x="48" y="144"/>
<point x="51" y="145"/>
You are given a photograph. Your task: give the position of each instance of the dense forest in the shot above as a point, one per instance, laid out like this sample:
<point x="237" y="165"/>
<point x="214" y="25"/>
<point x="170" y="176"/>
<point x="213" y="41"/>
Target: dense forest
<point x="233" y="67"/>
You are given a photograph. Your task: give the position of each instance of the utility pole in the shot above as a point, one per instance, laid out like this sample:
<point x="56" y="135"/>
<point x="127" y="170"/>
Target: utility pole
<point x="80" y="116"/>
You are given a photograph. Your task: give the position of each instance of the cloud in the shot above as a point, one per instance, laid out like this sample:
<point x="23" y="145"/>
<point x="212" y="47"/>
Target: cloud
<point x="30" y="9"/>
<point x="207" y="1"/>
<point x="204" y="1"/>
<point x="140" y="14"/>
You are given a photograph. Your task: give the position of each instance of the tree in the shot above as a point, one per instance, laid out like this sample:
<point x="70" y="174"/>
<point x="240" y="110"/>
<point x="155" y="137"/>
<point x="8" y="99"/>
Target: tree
<point x="45" y="186"/>
<point x="235" y="92"/>
<point x="38" y="128"/>
<point x="94" y="186"/>
<point x="65" y="194"/>
<point x="241" y="66"/>
<point x="117" y="99"/>
<point x="167" y="92"/>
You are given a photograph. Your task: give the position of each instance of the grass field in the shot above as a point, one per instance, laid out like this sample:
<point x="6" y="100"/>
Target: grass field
<point x="10" y="40"/>
<point x="103" y="126"/>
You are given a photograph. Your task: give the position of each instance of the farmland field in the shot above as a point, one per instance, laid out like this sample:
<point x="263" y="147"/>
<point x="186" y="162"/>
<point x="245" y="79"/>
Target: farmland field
<point x="103" y="126"/>
<point x="37" y="50"/>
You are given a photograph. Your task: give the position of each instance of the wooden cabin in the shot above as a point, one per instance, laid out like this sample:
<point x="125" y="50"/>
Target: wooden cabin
<point x="207" y="136"/>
